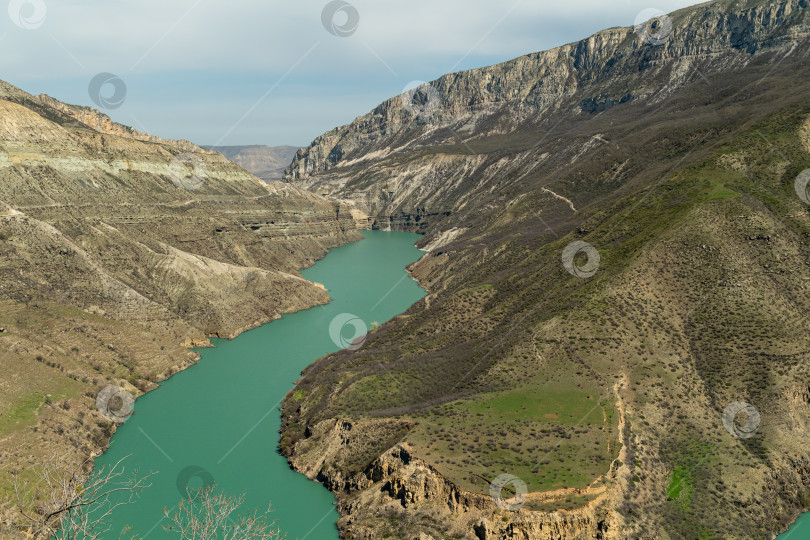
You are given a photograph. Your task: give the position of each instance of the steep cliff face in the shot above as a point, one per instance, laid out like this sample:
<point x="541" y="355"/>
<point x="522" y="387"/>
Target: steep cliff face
<point x="417" y="153"/>
<point x="606" y="385"/>
<point x="117" y="250"/>
<point x="399" y="487"/>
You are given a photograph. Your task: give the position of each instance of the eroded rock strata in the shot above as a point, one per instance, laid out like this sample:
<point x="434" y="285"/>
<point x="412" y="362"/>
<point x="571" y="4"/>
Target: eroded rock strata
<point x="118" y="249"/>
<point x="606" y="392"/>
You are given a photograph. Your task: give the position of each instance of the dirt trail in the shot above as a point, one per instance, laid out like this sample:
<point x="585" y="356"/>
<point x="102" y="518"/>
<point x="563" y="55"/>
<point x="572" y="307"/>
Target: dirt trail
<point x="561" y="198"/>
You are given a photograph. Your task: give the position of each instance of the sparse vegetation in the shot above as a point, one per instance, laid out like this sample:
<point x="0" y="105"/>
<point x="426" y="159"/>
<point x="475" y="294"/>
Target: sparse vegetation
<point x="698" y="302"/>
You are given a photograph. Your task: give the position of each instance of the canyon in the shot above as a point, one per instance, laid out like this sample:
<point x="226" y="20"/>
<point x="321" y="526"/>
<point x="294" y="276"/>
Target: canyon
<point x="615" y="256"/>
<point x="265" y="162"/>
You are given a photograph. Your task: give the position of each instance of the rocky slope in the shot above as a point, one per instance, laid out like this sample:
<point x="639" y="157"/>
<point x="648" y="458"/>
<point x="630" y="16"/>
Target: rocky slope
<point x="266" y="162"/>
<point x="117" y="248"/>
<point x="602" y="381"/>
<point x="95" y="120"/>
<point x="488" y="123"/>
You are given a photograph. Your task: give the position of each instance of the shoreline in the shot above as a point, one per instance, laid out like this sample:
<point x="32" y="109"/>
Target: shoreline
<point x="189" y="345"/>
<point x="358" y="275"/>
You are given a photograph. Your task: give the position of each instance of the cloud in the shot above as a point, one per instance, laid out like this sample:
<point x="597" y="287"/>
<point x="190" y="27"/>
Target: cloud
<point x="194" y="68"/>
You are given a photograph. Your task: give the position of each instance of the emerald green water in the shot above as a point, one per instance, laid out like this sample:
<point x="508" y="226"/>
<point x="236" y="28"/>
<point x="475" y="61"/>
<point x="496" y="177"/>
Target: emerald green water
<point x="799" y="530"/>
<point x="222" y="415"/>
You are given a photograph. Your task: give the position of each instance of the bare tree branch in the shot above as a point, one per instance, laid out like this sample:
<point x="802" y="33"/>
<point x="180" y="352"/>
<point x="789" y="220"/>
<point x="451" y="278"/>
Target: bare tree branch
<point x="75" y="504"/>
<point x="207" y="515"/>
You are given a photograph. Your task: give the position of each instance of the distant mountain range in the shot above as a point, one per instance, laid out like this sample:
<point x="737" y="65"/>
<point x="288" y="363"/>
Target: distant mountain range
<point x="266" y="162"/>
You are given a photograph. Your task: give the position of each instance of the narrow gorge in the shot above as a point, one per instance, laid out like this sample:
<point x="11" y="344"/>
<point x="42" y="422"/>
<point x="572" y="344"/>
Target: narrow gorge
<point x="601" y="251"/>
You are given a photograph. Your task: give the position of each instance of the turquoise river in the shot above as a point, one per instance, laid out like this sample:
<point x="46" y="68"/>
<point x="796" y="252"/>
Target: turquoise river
<point x="219" y="420"/>
<point x="799" y="530"/>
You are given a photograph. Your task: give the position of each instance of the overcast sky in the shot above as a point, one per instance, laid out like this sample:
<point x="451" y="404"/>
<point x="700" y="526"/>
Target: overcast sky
<point x="273" y="72"/>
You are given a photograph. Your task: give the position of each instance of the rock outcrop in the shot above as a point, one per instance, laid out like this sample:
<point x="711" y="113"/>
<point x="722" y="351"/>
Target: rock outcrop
<point x="401" y="486"/>
<point x="100" y="122"/>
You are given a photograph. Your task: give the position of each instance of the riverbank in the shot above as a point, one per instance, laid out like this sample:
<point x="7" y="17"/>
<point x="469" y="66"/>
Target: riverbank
<point x="799" y="530"/>
<point x="222" y="417"/>
<point x="62" y="356"/>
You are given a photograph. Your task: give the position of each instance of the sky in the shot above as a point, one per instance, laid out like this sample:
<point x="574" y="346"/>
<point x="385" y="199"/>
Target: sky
<point x="269" y="72"/>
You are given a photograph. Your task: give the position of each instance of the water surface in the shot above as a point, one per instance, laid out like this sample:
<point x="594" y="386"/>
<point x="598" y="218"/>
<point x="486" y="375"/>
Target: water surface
<point x="799" y="530"/>
<point x="220" y="418"/>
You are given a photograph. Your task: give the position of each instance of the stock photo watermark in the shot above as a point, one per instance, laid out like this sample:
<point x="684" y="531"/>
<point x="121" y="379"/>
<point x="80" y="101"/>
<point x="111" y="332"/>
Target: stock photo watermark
<point x="115" y="404"/>
<point x="192" y="479"/>
<point x="340" y="18"/>
<point x="732" y="414"/>
<point x="188" y="171"/>
<point x="800" y="185"/>
<point x="569" y="259"/>
<point x="653" y="26"/>
<point x="107" y="91"/>
<point x="420" y="99"/>
<point x="356" y="326"/>
<point x="27" y="14"/>
<point x="511" y="484"/>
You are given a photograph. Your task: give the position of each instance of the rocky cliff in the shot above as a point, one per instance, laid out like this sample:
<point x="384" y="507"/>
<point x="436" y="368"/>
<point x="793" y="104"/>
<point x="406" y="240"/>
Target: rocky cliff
<point x="97" y="121"/>
<point x="617" y="243"/>
<point x="118" y="249"/>
<point x="401" y="495"/>
<point x="485" y="122"/>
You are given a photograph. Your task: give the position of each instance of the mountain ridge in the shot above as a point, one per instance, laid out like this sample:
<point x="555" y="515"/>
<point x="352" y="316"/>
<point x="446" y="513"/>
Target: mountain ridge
<point x="452" y="114"/>
<point x="119" y="251"/>
<point x="605" y="392"/>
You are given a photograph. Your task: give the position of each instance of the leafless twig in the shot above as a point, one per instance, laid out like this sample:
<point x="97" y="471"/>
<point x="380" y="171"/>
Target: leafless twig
<point x="209" y="515"/>
<point x="73" y="504"/>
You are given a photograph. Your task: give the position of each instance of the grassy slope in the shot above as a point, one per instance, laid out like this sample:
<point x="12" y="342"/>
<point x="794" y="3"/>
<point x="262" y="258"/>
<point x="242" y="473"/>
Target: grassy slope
<point x="54" y="360"/>
<point x="700" y="301"/>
